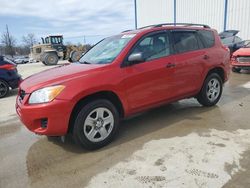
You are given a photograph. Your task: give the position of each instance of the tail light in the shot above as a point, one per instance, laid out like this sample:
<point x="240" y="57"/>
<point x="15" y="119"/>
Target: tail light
<point x="8" y="67"/>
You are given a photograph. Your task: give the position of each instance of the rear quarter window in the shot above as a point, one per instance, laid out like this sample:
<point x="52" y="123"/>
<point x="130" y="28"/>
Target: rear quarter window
<point x="207" y="38"/>
<point x="185" y="41"/>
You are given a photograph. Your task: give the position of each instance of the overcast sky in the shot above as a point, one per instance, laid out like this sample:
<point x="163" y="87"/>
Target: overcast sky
<point x="72" y="18"/>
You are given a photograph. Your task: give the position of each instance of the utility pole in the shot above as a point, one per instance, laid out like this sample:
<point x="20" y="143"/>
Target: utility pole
<point x="84" y="39"/>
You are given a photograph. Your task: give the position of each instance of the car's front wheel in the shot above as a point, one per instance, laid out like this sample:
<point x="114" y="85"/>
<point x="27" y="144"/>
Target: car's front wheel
<point x="96" y="124"/>
<point x="211" y="90"/>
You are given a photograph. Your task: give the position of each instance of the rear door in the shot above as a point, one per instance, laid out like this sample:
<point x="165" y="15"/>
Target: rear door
<point x="190" y="58"/>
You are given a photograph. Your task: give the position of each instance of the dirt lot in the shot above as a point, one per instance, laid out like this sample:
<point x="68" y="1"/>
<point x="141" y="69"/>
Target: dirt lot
<point x="179" y="145"/>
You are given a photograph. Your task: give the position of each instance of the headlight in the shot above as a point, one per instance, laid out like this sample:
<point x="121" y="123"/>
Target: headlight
<point x="46" y="94"/>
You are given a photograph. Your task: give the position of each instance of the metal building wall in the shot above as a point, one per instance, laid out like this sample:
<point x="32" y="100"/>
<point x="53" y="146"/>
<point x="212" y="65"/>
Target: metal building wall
<point x="211" y="12"/>
<point x="154" y="11"/>
<point x="239" y="17"/>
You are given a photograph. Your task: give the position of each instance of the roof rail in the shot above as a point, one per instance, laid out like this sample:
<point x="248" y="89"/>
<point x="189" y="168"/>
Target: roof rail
<point x="127" y="30"/>
<point x="174" y="24"/>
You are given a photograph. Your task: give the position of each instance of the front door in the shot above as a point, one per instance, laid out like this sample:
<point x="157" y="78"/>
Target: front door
<point x="150" y="82"/>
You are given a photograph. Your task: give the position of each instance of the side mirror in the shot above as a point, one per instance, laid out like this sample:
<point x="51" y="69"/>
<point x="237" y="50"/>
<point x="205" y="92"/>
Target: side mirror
<point x="136" y="58"/>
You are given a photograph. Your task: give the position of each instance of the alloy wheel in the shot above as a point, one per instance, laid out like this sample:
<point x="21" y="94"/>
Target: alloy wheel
<point x="213" y="89"/>
<point x="99" y="124"/>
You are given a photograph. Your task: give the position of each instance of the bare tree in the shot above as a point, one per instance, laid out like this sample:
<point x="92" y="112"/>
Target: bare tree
<point x="8" y="42"/>
<point x="29" y="40"/>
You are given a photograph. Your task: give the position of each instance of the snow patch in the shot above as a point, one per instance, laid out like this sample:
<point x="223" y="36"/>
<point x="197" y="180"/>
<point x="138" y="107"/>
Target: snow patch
<point x="246" y="85"/>
<point x="207" y="160"/>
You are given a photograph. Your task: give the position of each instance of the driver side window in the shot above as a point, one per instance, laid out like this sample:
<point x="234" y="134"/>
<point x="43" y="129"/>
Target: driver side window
<point x="153" y="46"/>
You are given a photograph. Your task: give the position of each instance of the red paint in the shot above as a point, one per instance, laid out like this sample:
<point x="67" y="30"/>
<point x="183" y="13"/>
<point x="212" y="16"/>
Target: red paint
<point x="8" y="67"/>
<point x="139" y="87"/>
<point x="242" y="52"/>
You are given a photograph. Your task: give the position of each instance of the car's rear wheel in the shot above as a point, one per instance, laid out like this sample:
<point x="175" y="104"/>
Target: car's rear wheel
<point x="4" y="88"/>
<point x="235" y="69"/>
<point x="211" y="90"/>
<point x="96" y="124"/>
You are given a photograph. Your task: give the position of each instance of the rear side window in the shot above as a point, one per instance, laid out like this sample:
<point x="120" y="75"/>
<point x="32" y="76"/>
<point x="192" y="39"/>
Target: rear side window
<point x="207" y="38"/>
<point x="185" y="41"/>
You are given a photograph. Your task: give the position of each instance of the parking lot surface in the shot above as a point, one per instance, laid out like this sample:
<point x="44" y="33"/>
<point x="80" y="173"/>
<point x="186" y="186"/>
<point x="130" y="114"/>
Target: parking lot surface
<point x="178" y="145"/>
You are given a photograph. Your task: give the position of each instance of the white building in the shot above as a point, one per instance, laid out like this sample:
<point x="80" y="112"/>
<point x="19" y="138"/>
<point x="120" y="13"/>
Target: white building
<point x="218" y="14"/>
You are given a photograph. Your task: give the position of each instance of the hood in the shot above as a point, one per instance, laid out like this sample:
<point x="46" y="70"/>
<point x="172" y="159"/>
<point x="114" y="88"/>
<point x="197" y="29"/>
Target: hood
<point x="57" y="75"/>
<point x="228" y="33"/>
<point x="242" y="52"/>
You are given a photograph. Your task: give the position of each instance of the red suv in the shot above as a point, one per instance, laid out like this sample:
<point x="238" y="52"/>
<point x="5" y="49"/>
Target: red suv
<point x="123" y="75"/>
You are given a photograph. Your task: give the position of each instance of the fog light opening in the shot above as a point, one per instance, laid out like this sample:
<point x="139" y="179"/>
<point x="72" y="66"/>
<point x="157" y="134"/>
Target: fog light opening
<point x="44" y="123"/>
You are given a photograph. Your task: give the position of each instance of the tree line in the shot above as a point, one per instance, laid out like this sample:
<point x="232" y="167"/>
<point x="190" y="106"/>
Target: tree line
<point x="10" y="47"/>
<point x="8" y="44"/>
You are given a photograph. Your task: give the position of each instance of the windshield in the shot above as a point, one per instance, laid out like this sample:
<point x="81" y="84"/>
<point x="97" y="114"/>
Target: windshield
<point x="227" y="41"/>
<point x="107" y="50"/>
<point x="8" y="61"/>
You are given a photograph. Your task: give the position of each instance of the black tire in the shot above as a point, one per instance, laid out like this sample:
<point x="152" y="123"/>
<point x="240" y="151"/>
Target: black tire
<point x="44" y="62"/>
<point x="80" y="126"/>
<point x="53" y="138"/>
<point x="75" y="56"/>
<point x="4" y="89"/>
<point x="205" y="96"/>
<point x="50" y="59"/>
<point x="235" y="69"/>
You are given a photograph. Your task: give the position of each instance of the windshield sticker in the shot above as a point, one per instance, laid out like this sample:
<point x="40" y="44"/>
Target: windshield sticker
<point x="128" y="36"/>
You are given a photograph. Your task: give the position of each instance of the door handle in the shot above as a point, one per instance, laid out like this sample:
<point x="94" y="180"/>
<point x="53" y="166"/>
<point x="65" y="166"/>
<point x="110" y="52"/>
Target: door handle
<point x="205" y="57"/>
<point x="169" y="65"/>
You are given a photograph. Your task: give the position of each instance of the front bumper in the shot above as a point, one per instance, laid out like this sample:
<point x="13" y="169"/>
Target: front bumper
<point x="57" y="113"/>
<point x="245" y="65"/>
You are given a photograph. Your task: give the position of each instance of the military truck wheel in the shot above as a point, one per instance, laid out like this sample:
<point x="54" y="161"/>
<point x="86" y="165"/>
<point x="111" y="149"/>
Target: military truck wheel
<point x="75" y="56"/>
<point x="50" y="59"/>
<point x="44" y="62"/>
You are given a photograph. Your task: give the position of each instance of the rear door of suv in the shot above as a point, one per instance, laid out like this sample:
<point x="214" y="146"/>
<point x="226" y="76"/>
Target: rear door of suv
<point x="190" y="60"/>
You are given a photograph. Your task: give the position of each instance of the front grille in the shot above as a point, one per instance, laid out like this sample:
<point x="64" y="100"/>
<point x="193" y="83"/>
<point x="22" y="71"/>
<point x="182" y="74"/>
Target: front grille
<point x="22" y="94"/>
<point x="245" y="59"/>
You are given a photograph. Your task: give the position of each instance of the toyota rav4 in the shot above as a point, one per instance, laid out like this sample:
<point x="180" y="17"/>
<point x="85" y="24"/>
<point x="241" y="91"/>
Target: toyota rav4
<point x="123" y="75"/>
